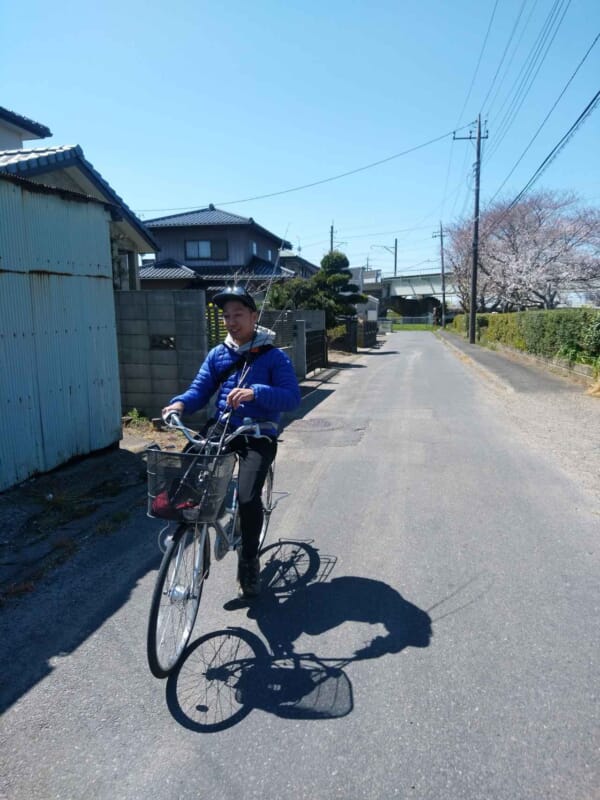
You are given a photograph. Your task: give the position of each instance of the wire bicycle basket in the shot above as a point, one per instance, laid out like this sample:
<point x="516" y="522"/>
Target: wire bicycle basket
<point x="187" y="487"/>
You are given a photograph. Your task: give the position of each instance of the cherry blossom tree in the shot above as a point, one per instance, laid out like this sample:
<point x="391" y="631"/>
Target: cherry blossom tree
<point x="531" y="254"/>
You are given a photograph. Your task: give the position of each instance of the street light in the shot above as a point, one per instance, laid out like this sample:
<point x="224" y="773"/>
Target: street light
<point x="389" y="249"/>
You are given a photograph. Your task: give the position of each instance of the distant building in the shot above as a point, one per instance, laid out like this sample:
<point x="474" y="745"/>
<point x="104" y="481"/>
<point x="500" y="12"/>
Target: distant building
<point x="300" y="266"/>
<point x="209" y="248"/>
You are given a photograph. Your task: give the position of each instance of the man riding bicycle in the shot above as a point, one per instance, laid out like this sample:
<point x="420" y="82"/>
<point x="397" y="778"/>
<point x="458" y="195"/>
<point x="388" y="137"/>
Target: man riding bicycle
<point x="253" y="379"/>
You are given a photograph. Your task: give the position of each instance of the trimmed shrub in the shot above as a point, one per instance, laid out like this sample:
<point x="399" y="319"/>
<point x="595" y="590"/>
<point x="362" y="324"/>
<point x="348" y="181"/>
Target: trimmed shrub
<point x="569" y="333"/>
<point x="335" y="333"/>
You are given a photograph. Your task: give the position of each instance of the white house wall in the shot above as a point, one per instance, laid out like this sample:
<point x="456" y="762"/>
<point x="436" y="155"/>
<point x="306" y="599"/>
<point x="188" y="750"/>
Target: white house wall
<point x="59" y="395"/>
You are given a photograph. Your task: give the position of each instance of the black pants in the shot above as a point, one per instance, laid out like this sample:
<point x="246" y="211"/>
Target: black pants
<point x="255" y="457"/>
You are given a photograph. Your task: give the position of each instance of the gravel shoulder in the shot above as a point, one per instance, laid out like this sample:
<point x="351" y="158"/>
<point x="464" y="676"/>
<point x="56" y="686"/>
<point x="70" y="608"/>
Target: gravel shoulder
<point x="553" y="413"/>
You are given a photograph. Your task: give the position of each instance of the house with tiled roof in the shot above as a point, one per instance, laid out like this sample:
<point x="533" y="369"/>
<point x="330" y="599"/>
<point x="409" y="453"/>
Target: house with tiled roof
<point x="210" y="248"/>
<point x="300" y="266"/>
<point x="65" y="167"/>
<point x="16" y="129"/>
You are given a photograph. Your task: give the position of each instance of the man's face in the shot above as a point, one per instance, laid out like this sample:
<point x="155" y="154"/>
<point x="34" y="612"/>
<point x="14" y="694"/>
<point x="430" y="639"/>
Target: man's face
<point x="239" y="321"/>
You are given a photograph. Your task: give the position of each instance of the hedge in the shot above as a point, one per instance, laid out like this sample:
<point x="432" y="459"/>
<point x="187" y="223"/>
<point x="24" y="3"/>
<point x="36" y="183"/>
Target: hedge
<point x="569" y="333"/>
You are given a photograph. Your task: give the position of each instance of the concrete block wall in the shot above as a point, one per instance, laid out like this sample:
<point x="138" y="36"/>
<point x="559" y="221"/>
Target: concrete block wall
<point x="151" y="375"/>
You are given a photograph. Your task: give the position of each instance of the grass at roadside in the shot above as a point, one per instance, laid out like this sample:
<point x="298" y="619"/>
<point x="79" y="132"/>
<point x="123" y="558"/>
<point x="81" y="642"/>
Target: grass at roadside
<point x="414" y="327"/>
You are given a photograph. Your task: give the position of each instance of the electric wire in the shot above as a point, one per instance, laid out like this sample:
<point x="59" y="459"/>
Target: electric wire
<point x="501" y="62"/>
<point x="556" y="102"/>
<point x="526" y="65"/>
<point x="475" y="72"/>
<point x="479" y="60"/>
<point x="549" y="158"/>
<point x="558" y="147"/>
<point x="524" y="87"/>
<point x="511" y="60"/>
<point x="314" y="183"/>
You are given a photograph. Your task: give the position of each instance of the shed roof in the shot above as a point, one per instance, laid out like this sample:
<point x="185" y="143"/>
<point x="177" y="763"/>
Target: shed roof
<point x="42" y="188"/>
<point x="39" y="160"/>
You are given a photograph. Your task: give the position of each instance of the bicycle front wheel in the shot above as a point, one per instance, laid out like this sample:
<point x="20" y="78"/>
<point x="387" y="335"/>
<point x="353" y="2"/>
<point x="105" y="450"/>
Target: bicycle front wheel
<point x="267" y="504"/>
<point x="176" y="597"/>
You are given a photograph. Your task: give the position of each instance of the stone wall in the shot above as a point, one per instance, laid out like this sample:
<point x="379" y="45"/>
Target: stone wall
<point x="162" y="342"/>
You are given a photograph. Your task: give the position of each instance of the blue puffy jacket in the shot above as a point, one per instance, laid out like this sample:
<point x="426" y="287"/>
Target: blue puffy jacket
<point x="271" y="377"/>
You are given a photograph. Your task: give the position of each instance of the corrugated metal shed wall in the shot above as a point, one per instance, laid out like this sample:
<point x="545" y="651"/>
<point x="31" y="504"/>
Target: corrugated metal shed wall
<point x="59" y="394"/>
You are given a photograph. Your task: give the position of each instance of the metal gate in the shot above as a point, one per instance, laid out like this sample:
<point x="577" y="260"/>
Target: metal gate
<point x="316" y="350"/>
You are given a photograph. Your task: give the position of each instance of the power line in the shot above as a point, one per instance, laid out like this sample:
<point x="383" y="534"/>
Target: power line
<point x="444" y="195"/>
<point x="369" y="235"/>
<point x="499" y="67"/>
<point x="510" y="61"/>
<point x="527" y="63"/>
<point x="314" y="183"/>
<point x="527" y="82"/>
<point x="551" y="156"/>
<point x="557" y="148"/>
<point x="479" y="60"/>
<point x="534" y="137"/>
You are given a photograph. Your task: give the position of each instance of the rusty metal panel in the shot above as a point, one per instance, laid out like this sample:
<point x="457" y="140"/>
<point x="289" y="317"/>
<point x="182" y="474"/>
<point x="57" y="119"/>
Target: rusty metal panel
<point x="60" y="393"/>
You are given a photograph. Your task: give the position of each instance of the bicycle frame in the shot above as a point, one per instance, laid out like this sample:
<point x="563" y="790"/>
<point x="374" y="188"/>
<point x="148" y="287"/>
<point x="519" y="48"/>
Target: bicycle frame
<point x="187" y="553"/>
<point x="225" y="535"/>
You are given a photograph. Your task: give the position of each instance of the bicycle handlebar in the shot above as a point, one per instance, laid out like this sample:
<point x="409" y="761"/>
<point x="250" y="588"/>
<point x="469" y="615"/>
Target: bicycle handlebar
<point x="248" y="428"/>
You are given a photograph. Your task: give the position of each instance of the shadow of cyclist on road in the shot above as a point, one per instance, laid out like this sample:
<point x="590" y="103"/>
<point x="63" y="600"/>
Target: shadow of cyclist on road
<point x="320" y="607"/>
<point x="227" y="673"/>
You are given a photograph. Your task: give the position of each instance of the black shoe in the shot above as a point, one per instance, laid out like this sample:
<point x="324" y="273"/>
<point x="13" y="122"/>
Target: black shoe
<point x="248" y="577"/>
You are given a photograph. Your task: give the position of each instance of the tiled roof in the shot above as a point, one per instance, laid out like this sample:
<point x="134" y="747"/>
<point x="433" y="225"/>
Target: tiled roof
<point x="257" y="268"/>
<point x="202" y="216"/>
<point x="19" y="162"/>
<point x="172" y="269"/>
<point x="284" y="255"/>
<point x="208" y="216"/>
<point x="169" y="269"/>
<point x="37" y="160"/>
<point x="40" y="131"/>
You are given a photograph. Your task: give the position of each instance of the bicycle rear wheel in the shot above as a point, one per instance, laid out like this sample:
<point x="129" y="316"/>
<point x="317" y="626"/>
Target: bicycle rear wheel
<point x="176" y="597"/>
<point x="267" y="503"/>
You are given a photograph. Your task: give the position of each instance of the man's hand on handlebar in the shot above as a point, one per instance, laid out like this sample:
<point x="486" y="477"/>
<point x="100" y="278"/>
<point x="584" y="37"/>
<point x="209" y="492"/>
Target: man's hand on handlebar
<point x="237" y="396"/>
<point x="176" y="408"/>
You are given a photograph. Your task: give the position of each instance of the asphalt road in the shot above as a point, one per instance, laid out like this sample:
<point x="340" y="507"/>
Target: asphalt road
<point x="438" y="561"/>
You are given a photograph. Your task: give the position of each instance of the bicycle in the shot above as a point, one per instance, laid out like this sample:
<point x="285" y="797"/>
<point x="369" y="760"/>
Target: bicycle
<point x="197" y="488"/>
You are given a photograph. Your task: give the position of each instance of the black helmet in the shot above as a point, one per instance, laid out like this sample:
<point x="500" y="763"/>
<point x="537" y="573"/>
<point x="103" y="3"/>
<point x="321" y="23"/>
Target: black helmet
<point x="235" y="293"/>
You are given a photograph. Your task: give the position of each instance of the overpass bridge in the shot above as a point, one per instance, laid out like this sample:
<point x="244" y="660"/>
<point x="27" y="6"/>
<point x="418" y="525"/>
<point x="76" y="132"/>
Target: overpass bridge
<point x="413" y="293"/>
<point x="417" y="286"/>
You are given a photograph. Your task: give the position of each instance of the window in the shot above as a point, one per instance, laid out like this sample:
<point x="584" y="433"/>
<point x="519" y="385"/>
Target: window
<point x="269" y="255"/>
<point x="254" y="248"/>
<point x="214" y="249"/>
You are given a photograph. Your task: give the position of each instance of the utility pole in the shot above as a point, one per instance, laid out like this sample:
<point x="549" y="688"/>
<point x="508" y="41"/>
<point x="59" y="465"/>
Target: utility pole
<point x="473" y="300"/>
<point x="331" y="238"/>
<point x="440" y="235"/>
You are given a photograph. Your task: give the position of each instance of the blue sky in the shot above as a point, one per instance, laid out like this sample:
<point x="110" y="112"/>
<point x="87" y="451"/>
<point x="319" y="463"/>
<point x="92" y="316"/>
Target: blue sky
<point x="182" y="104"/>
